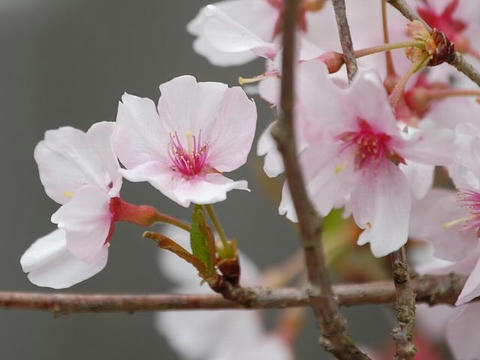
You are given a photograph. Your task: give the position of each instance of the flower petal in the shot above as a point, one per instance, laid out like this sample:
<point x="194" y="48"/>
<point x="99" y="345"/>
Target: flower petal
<point x="49" y="263"/>
<point x="471" y="288"/>
<point x="381" y="206"/>
<point x="238" y="30"/>
<point x="267" y="146"/>
<point x="86" y="220"/>
<point x="67" y="161"/>
<point x="139" y="135"/>
<point x="427" y="223"/>
<point x="431" y="144"/>
<point x="419" y="176"/>
<point x="231" y="135"/>
<point x="207" y="189"/>
<point x="461" y="330"/>
<point x="100" y="138"/>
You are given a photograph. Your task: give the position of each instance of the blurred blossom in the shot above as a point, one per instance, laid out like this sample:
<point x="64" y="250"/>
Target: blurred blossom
<point x="215" y="335"/>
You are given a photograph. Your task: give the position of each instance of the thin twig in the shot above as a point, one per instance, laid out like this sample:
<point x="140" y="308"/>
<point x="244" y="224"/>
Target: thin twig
<point x="404" y="307"/>
<point x="334" y="335"/>
<point x="345" y="38"/>
<point x="429" y="289"/>
<point x="458" y="61"/>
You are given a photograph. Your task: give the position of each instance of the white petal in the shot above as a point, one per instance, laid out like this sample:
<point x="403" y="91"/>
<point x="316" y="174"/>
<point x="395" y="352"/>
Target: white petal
<point x="433" y="321"/>
<point x="49" y="263"/>
<point x="230" y="137"/>
<point x="461" y="332"/>
<point x="427" y="223"/>
<point x="381" y="206"/>
<point x="472" y="287"/>
<point x="86" y="220"/>
<point x="267" y="146"/>
<point x="67" y="161"/>
<point x="419" y="176"/>
<point x="207" y="189"/>
<point x="139" y="135"/>
<point x="196" y="335"/>
<point x="430" y="145"/>
<point x="100" y="138"/>
<point x="237" y="31"/>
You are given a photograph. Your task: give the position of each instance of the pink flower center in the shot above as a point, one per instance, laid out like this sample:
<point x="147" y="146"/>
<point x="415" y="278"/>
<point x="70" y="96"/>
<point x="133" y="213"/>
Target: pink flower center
<point x="445" y="22"/>
<point x="187" y="161"/>
<point x="370" y="147"/>
<point x="470" y="200"/>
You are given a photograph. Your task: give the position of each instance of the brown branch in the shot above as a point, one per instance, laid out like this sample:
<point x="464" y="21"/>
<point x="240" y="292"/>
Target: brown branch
<point x="404" y="307"/>
<point x="429" y="289"/>
<point x="334" y="337"/>
<point x="457" y="61"/>
<point x="345" y="38"/>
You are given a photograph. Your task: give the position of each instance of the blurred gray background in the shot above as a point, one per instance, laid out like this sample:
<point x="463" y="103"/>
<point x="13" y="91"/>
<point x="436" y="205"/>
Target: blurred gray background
<point x="67" y="62"/>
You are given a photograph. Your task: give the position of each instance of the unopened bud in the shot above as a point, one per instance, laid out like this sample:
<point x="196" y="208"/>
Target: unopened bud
<point x="444" y="50"/>
<point x="418" y="99"/>
<point x="333" y="60"/>
<point x="230" y="269"/>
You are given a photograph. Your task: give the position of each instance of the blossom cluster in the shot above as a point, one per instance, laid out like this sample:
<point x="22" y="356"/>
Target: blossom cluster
<point x="372" y="146"/>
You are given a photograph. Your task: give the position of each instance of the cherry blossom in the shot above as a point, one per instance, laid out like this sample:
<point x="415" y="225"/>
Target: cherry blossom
<point x="224" y="334"/>
<point x="237" y="31"/>
<point x="198" y="131"/>
<point x="443" y="322"/>
<point x="79" y="171"/>
<point x="354" y="148"/>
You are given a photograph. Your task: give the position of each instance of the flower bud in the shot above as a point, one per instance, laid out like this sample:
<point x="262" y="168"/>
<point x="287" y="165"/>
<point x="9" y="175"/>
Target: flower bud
<point x="333" y="60"/>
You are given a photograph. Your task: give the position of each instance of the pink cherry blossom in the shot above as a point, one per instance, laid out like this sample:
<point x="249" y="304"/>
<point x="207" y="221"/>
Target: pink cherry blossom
<point x="237" y="31"/>
<point x="198" y="131"/>
<point x="225" y="334"/>
<point x="354" y="148"/>
<point x="79" y="171"/>
<point x="430" y="217"/>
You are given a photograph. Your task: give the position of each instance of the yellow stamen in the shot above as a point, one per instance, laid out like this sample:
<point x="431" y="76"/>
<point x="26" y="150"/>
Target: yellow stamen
<point x="68" y="194"/>
<point x="252" y="80"/>
<point x="449" y="224"/>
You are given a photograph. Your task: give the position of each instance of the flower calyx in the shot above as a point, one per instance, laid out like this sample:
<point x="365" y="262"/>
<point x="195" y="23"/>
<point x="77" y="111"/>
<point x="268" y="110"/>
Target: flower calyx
<point x="434" y="45"/>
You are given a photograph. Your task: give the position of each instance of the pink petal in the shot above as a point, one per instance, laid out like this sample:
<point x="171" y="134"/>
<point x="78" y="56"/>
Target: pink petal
<point x="381" y="206"/>
<point x="86" y="220"/>
<point x="49" y="263"/>
<point x="366" y="99"/>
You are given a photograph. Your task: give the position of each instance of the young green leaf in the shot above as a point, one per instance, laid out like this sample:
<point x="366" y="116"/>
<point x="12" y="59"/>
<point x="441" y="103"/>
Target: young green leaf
<point x="201" y="240"/>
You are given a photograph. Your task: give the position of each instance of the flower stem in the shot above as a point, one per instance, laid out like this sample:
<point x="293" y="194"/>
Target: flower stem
<point x="218" y="226"/>
<point x="397" y="92"/>
<point x="142" y="215"/>
<point x="386" y="39"/>
<point x="386" y="47"/>
<point x="167" y="219"/>
<point x="444" y="93"/>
